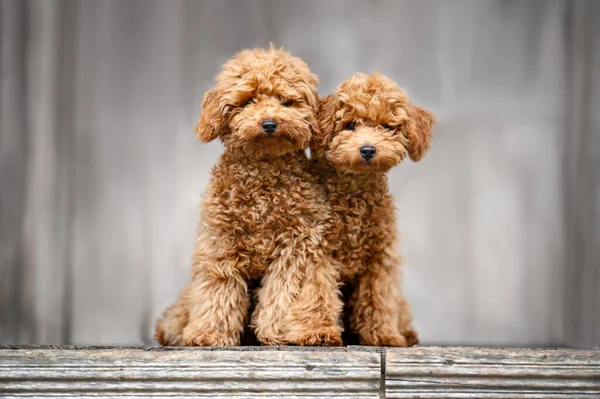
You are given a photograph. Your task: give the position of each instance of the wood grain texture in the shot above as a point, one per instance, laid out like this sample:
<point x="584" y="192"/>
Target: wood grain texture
<point x="491" y="373"/>
<point x="581" y="180"/>
<point x="16" y="319"/>
<point x="125" y="372"/>
<point x="291" y="372"/>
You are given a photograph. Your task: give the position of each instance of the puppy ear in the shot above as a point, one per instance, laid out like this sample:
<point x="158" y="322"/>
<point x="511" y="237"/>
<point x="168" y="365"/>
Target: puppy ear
<point x="419" y="132"/>
<point x="211" y="120"/>
<point x="326" y="119"/>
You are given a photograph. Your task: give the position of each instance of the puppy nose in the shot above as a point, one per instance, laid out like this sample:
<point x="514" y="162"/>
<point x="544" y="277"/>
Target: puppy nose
<point x="269" y="126"/>
<point x="367" y="152"/>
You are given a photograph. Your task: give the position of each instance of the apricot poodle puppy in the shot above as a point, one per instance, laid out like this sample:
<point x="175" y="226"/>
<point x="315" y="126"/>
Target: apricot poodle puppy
<point x="263" y="217"/>
<point x="367" y="127"/>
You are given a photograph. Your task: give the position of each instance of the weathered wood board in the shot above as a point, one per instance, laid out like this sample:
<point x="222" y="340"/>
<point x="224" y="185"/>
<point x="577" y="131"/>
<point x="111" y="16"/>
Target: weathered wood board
<point x="204" y="373"/>
<point x="288" y="372"/>
<point x="492" y="373"/>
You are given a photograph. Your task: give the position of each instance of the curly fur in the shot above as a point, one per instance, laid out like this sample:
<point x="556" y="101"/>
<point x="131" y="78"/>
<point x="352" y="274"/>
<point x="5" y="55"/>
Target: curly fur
<point x="263" y="218"/>
<point x="364" y="234"/>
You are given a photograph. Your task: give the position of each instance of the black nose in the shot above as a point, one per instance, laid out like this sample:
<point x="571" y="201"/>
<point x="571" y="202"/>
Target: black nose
<point x="367" y="152"/>
<point x="269" y="126"/>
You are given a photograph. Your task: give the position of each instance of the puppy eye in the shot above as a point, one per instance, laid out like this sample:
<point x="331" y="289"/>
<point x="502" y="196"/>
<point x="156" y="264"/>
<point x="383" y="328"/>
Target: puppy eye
<point x="250" y="101"/>
<point x="387" y="127"/>
<point x="350" y="126"/>
<point x="287" y="103"/>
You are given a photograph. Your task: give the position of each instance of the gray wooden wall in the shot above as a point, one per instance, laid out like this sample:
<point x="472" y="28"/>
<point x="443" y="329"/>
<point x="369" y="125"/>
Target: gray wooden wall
<point x="100" y="174"/>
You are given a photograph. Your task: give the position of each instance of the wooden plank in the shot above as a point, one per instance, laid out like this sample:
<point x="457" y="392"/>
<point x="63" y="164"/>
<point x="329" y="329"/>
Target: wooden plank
<point x="111" y="246"/>
<point x="581" y="163"/>
<point x="47" y="212"/>
<point x="262" y="372"/>
<point x="16" y="324"/>
<point x="191" y="372"/>
<point x="433" y="372"/>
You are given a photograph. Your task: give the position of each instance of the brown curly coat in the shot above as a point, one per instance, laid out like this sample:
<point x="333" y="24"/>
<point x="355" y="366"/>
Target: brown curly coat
<point x="263" y="217"/>
<point x="368" y="110"/>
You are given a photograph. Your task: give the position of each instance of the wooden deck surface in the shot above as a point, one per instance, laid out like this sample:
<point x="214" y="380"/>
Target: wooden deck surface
<point x="291" y="372"/>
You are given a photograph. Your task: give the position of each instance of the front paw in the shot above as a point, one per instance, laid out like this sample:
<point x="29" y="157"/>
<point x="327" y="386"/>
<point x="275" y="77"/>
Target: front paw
<point x="267" y="332"/>
<point x="196" y="337"/>
<point x="316" y="337"/>
<point x="391" y="339"/>
<point x="267" y="339"/>
<point x="412" y="338"/>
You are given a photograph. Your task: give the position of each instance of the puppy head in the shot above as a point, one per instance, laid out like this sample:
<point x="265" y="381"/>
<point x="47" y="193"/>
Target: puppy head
<point x="369" y="125"/>
<point x="264" y="104"/>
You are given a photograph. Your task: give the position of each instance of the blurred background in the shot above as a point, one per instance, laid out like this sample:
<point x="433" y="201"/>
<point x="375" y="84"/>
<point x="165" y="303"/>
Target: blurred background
<point x="101" y="175"/>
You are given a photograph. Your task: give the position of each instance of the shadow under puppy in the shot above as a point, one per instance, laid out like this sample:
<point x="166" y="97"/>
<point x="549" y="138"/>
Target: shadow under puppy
<point x="263" y="218"/>
<point x="367" y="127"/>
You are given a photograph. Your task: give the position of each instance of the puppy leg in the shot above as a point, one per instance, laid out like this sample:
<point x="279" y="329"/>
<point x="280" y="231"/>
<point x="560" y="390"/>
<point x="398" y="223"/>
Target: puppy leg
<point x="298" y="302"/>
<point x="375" y="303"/>
<point x="274" y="299"/>
<point x="314" y="318"/>
<point x="169" y="328"/>
<point x="405" y="325"/>
<point x="218" y="303"/>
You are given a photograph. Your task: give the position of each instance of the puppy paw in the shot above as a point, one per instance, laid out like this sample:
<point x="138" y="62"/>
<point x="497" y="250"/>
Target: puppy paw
<point x="324" y="337"/>
<point x="214" y="338"/>
<point x="384" y="340"/>
<point x="160" y="336"/>
<point x="411" y="337"/>
<point x="320" y="339"/>
<point x="271" y="340"/>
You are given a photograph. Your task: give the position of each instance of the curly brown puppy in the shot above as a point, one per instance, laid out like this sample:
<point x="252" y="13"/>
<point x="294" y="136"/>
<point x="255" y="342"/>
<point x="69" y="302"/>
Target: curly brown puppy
<point x="263" y="217"/>
<point x="367" y="127"/>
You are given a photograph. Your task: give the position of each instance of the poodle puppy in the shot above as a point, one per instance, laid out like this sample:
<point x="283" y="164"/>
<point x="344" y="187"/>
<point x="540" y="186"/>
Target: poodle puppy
<point x="367" y="127"/>
<point x="264" y="215"/>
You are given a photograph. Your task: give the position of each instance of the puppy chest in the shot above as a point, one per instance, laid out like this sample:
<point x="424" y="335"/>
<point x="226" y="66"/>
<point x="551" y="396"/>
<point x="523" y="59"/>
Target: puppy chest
<point x="266" y="213"/>
<point x="362" y="235"/>
<point x="263" y="219"/>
